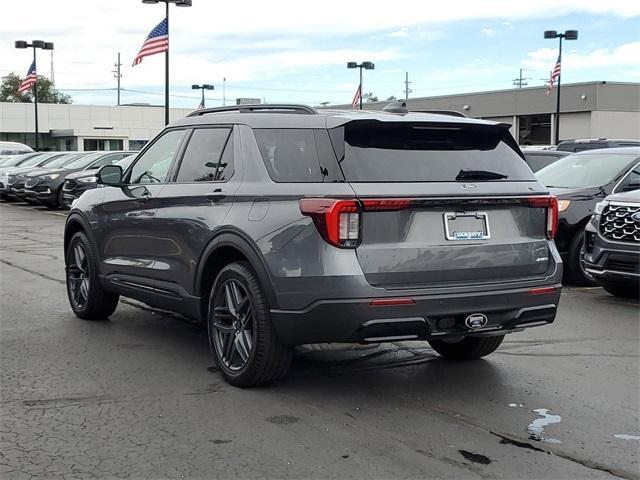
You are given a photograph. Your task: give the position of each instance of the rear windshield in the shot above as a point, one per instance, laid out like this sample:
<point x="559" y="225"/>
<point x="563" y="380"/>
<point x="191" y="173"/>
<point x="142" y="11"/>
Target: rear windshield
<point x="585" y="170"/>
<point x="372" y="151"/>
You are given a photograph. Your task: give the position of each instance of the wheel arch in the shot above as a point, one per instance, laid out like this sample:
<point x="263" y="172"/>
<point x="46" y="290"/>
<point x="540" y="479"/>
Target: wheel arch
<point x="76" y="223"/>
<point x="226" y="247"/>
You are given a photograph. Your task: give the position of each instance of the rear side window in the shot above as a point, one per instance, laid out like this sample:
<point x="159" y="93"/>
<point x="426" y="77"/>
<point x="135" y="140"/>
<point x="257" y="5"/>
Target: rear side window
<point x="203" y="159"/>
<point x="298" y="155"/>
<point x="427" y="152"/>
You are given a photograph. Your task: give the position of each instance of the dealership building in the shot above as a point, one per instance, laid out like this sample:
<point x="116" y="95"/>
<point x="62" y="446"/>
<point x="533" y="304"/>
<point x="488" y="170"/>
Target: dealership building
<point x="588" y="110"/>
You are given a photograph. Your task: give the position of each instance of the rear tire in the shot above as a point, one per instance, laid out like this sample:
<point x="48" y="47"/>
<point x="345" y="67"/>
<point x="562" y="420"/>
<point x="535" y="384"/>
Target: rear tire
<point x="469" y="348"/>
<point x="574" y="271"/>
<point x="87" y="298"/>
<point x="241" y="335"/>
<point x="622" y="289"/>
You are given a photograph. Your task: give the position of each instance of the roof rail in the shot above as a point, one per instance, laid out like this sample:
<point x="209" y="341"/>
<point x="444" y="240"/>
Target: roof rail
<point x="266" y="107"/>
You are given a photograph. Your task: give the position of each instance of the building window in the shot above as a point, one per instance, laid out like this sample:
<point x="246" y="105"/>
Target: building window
<point x="534" y="129"/>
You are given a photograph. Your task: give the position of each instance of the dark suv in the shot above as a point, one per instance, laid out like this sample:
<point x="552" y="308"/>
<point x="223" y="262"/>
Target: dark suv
<point x="278" y="225"/>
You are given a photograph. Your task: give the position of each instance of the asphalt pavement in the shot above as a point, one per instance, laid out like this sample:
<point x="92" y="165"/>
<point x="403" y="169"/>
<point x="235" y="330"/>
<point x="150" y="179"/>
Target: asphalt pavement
<point x="133" y="397"/>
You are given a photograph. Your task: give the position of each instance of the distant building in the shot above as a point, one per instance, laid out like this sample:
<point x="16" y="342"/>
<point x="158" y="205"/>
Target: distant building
<point x="587" y="110"/>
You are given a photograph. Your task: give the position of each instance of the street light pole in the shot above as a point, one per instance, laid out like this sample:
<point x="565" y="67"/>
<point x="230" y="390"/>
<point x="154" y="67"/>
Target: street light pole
<point x="179" y="3"/>
<point x="202" y="88"/>
<point x="569" y="35"/>
<point x="363" y="65"/>
<point x="44" y="46"/>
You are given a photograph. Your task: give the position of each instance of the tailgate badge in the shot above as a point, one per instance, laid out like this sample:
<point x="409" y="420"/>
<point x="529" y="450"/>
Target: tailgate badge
<point x="476" y="320"/>
<point x="468" y="186"/>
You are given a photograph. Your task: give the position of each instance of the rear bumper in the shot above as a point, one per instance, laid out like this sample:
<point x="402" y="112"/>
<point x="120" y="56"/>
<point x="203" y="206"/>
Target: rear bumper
<point x="430" y="317"/>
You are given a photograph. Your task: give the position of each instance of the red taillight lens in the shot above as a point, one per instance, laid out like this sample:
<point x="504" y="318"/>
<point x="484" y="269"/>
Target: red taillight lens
<point x="551" y="203"/>
<point x="337" y="221"/>
<point x="385" y="205"/>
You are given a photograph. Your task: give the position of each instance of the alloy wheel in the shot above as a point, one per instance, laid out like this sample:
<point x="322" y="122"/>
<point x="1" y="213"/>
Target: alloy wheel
<point x="78" y="276"/>
<point x="233" y="325"/>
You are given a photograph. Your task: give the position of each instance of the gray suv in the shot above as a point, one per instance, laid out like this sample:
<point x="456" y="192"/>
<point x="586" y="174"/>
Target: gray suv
<point x="280" y="225"/>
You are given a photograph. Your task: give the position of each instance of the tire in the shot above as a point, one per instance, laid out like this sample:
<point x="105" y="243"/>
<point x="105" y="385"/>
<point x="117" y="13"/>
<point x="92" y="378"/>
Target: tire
<point x="622" y="289"/>
<point x="87" y="298"/>
<point x="242" y="337"/>
<point x="574" y="272"/>
<point x="469" y="348"/>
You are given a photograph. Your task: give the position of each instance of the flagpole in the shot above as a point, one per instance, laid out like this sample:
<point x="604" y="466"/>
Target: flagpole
<point x="361" y="87"/>
<point x="166" y="72"/>
<point x="35" y="97"/>
<point x="557" y="129"/>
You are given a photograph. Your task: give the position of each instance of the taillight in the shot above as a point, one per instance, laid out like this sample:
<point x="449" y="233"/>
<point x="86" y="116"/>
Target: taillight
<point x="551" y="203"/>
<point x="385" y="205"/>
<point x="337" y="221"/>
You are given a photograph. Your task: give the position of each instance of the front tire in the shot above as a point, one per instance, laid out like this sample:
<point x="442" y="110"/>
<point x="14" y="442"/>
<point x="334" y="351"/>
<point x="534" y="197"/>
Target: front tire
<point x="88" y="299"/>
<point x="574" y="271"/>
<point x="469" y="348"/>
<point x="241" y="335"/>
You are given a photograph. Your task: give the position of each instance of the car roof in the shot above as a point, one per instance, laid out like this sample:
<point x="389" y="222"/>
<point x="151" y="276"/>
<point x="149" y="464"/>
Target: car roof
<point x="600" y="140"/>
<point x="618" y="150"/>
<point x="302" y="116"/>
<point x="546" y="153"/>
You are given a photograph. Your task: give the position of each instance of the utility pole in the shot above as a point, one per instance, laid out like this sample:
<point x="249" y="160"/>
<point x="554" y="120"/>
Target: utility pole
<point x="117" y="75"/>
<point x="521" y="81"/>
<point x="53" y="78"/>
<point x="407" y="90"/>
<point x="224" y="96"/>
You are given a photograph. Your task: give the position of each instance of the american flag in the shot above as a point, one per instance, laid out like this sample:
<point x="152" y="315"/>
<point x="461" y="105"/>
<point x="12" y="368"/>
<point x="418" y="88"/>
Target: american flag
<point x="156" y="42"/>
<point x="355" y="103"/>
<point x="554" y="76"/>
<point x="30" y="79"/>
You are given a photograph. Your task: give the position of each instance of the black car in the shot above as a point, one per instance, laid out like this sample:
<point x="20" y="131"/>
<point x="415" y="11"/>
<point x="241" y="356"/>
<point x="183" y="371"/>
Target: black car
<point x="538" y="159"/>
<point x="612" y="242"/>
<point x="77" y="183"/>
<point x="14" y="185"/>
<point x="580" y="181"/>
<point x="45" y="186"/>
<point x="581" y="144"/>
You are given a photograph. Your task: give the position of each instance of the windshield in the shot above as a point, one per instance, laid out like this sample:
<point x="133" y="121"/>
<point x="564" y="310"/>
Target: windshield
<point x="84" y="160"/>
<point x="428" y="152"/>
<point x="63" y="160"/>
<point x="38" y="160"/>
<point x="12" y="162"/>
<point x="584" y="170"/>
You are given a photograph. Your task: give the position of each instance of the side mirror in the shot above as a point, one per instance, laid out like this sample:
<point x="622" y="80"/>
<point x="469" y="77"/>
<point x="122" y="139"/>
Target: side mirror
<point x="110" y="175"/>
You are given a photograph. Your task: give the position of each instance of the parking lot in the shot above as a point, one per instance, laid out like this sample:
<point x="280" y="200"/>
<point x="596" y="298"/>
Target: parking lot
<point x="132" y="397"/>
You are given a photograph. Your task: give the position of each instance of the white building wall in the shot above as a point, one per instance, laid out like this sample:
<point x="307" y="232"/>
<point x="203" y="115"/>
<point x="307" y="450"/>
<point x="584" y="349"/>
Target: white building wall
<point x="575" y="125"/>
<point x="608" y="124"/>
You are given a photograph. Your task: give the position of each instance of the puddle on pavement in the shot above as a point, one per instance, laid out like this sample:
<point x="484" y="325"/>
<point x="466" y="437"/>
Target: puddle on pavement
<point x="626" y="436"/>
<point x="536" y="428"/>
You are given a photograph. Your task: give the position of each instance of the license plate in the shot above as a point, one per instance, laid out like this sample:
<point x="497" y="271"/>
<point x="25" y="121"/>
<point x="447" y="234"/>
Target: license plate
<point x="466" y="226"/>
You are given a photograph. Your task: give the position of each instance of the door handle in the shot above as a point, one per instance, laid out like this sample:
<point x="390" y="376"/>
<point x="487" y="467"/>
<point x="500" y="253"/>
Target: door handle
<point x="216" y="195"/>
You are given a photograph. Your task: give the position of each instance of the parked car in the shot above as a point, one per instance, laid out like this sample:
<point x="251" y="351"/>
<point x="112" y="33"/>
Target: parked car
<point x="538" y="159"/>
<point x="75" y="184"/>
<point x="280" y="225"/>
<point x="612" y="242"/>
<point x="18" y="164"/>
<point x="17" y="178"/>
<point x="580" y="181"/>
<point x="10" y="149"/>
<point x="580" y="145"/>
<point x="45" y="186"/>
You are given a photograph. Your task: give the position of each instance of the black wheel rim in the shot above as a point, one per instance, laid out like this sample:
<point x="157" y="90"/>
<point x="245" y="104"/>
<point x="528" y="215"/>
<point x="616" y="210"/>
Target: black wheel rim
<point x="78" y="276"/>
<point x="232" y="325"/>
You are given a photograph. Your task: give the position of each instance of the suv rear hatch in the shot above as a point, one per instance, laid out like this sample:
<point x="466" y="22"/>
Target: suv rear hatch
<point x="444" y="203"/>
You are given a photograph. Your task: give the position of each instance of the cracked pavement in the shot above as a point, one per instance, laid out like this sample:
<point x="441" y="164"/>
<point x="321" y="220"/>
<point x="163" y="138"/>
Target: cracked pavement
<point x="133" y="397"/>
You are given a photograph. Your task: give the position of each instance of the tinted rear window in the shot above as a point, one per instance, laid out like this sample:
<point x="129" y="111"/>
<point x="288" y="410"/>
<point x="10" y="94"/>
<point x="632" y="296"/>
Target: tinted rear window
<point x="422" y="152"/>
<point x="298" y="155"/>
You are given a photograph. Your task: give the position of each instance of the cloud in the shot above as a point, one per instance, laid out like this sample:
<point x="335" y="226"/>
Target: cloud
<point x="403" y="32"/>
<point x="489" y="32"/>
<point x="625" y="55"/>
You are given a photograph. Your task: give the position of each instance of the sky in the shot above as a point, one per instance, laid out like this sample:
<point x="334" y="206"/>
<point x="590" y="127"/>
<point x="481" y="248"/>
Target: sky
<point x="296" y="51"/>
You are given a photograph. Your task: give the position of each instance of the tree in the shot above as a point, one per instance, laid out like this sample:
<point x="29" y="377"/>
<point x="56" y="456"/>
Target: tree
<point x="392" y="98"/>
<point x="46" y="91"/>
<point x="370" y="97"/>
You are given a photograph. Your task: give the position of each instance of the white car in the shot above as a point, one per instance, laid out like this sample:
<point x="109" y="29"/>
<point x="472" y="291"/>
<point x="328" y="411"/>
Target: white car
<point x="10" y="149"/>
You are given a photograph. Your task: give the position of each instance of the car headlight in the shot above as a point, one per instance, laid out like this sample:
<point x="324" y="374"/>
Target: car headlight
<point x="563" y="205"/>
<point x="93" y="179"/>
<point x="52" y="176"/>
<point x="598" y="210"/>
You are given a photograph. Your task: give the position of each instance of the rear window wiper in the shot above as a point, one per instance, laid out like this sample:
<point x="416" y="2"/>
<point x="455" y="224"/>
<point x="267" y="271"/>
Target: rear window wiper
<point x="480" y="175"/>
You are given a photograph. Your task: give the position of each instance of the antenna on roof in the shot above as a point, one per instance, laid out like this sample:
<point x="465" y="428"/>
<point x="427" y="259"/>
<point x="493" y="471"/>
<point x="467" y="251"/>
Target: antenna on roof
<point x="397" y="107"/>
